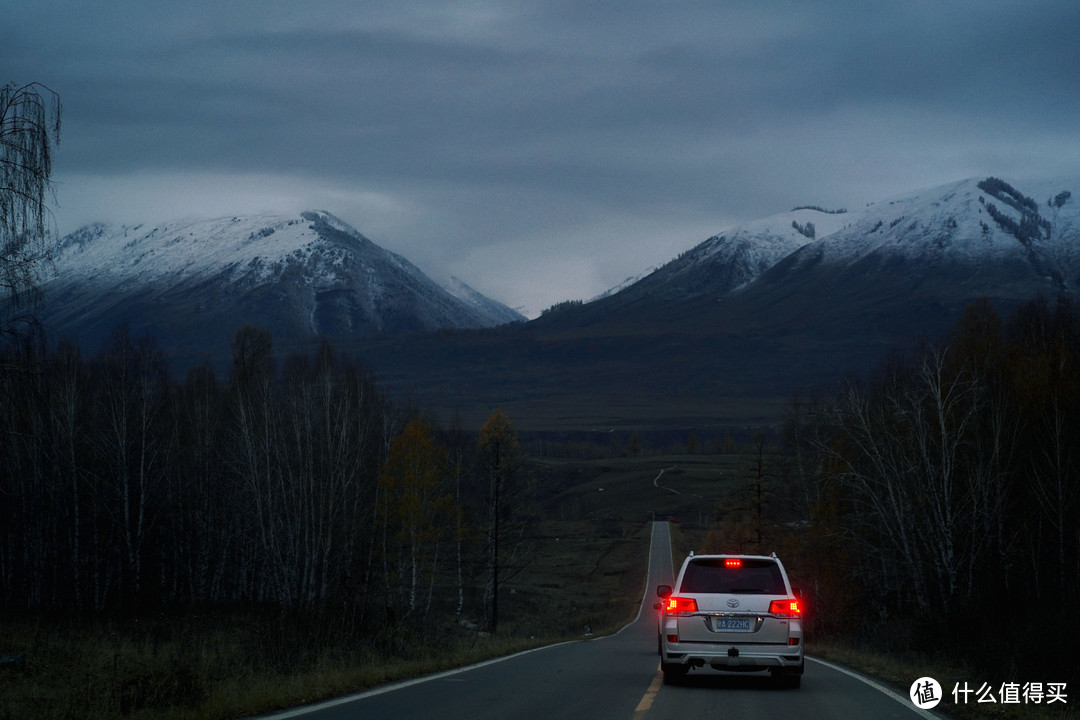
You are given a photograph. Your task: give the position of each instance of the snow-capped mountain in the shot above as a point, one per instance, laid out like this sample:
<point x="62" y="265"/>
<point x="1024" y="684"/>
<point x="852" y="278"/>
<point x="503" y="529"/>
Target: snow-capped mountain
<point x="496" y="311"/>
<point x="969" y="226"/>
<point x="732" y="259"/>
<point x="194" y="283"/>
<point x="790" y="304"/>
<point x="971" y="223"/>
<point x="729" y="329"/>
<point x="627" y="282"/>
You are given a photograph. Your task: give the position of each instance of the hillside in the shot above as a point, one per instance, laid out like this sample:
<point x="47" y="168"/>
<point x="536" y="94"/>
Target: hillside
<point x="193" y="283"/>
<point x="724" y="334"/>
<point x="730" y="330"/>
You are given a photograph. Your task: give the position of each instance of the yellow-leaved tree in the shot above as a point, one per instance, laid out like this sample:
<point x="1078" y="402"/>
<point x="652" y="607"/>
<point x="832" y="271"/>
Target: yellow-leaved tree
<point x="416" y="514"/>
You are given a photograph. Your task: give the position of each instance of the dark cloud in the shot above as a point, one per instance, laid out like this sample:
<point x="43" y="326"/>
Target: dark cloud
<point x="507" y="141"/>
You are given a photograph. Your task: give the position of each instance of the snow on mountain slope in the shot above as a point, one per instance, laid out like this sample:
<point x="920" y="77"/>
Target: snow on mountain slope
<point x="755" y="246"/>
<point x="967" y="223"/>
<point x="102" y="253"/>
<point x="202" y="247"/>
<point x="496" y="310"/>
<point x="980" y="228"/>
<point x="303" y="275"/>
<point x="953" y="220"/>
<point x="736" y="257"/>
<point x="625" y="283"/>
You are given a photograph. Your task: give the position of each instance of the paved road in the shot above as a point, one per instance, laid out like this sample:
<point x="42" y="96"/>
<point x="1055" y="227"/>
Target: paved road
<point x="613" y="678"/>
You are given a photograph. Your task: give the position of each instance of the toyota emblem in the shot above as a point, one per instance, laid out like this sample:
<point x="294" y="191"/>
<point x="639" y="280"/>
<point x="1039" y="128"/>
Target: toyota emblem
<point x="733" y="603"/>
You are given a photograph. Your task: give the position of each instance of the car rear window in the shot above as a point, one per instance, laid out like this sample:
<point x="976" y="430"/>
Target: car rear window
<point x="710" y="575"/>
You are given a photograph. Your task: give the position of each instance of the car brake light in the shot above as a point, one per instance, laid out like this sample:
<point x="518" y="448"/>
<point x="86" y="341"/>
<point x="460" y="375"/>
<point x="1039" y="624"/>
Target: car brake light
<point x="785" y="608"/>
<point x="733" y="563"/>
<point x="680" y="606"/>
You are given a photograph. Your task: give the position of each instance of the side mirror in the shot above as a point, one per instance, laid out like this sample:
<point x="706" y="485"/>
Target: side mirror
<point x="663" y="591"/>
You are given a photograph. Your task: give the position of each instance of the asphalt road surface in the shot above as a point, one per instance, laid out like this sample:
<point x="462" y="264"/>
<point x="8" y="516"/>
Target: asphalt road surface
<point x="614" y="678"/>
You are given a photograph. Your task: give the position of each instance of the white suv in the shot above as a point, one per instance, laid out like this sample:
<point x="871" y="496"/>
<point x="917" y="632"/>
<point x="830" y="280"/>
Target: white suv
<point x="732" y="612"/>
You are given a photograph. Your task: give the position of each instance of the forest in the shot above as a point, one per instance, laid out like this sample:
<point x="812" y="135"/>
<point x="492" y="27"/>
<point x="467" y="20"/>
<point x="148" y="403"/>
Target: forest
<point x="930" y="488"/>
<point x="927" y="507"/>
<point x="298" y="488"/>
<point x="942" y="494"/>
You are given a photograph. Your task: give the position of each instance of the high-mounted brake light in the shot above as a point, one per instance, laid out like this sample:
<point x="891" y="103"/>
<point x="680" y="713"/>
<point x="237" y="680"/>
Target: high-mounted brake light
<point x="680" y="606"/>
<point x="733" y="563"/>
<point x="785" y="608"/>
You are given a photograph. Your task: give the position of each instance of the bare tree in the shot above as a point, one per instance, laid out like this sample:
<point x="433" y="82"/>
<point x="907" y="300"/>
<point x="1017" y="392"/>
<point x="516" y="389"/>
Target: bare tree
<point x="255" y="459"/>
<point x="501" y="460"/>
<point x="926" y="457"/>
<point x="134" y="450"/>
<point x="29" y="128"/>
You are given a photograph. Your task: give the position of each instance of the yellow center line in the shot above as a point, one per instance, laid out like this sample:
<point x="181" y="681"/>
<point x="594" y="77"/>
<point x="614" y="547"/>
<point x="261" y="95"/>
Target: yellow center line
<point x="647" y="700"/>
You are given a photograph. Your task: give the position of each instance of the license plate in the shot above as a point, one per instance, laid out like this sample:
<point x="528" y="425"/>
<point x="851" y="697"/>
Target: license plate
<point x="724" y="624"/>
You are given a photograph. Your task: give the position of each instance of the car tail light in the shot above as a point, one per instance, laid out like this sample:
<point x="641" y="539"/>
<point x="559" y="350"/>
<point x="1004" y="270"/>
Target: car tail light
<point x="733" y="563"/>
<point x="680" y="606"/>
<point x="785" y="608"/>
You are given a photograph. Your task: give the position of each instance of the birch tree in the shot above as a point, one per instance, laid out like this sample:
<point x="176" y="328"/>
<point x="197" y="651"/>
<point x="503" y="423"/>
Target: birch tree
<point x="254" y="458"/>
<point x="203" y="496"/>
<point x="417" y="515"/>
<point x="328" y="446"/>
<point x="909" y="455"/>
<point x="132" y="447"/>
<point x="1044" y="372"/>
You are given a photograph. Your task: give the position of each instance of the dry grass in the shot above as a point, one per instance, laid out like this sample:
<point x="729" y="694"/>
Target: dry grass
<point x="587" y="571"/>
<point x="187" y="667"/>
<point x="200" y="668"/>
<point x="900" y="671"/>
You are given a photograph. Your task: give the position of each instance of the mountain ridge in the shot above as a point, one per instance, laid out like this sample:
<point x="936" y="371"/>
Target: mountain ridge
<point x="695" y="343"/>
<point x="724" y="333"/>
<point x="305" y="275"/>
<point x="750" y="249"/>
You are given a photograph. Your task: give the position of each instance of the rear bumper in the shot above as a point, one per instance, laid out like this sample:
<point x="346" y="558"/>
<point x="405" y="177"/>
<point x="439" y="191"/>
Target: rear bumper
<point x="723" y="656"/>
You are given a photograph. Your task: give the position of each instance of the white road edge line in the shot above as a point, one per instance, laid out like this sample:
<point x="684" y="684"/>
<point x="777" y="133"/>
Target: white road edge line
<point x="307" y="709"/>
<point x="906" y="702"/>
<point x="648" y="577"/>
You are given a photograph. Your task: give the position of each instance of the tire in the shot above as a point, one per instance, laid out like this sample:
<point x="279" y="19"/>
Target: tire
<point x="674" y="674"/>
<point x="787" y="679"/>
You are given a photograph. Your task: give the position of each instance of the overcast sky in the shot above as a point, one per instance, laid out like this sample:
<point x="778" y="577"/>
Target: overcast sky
<point x="541" y="151"/>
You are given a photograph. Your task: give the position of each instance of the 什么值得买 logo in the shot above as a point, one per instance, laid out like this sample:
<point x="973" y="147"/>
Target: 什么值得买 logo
<point x="925" y="693"/>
